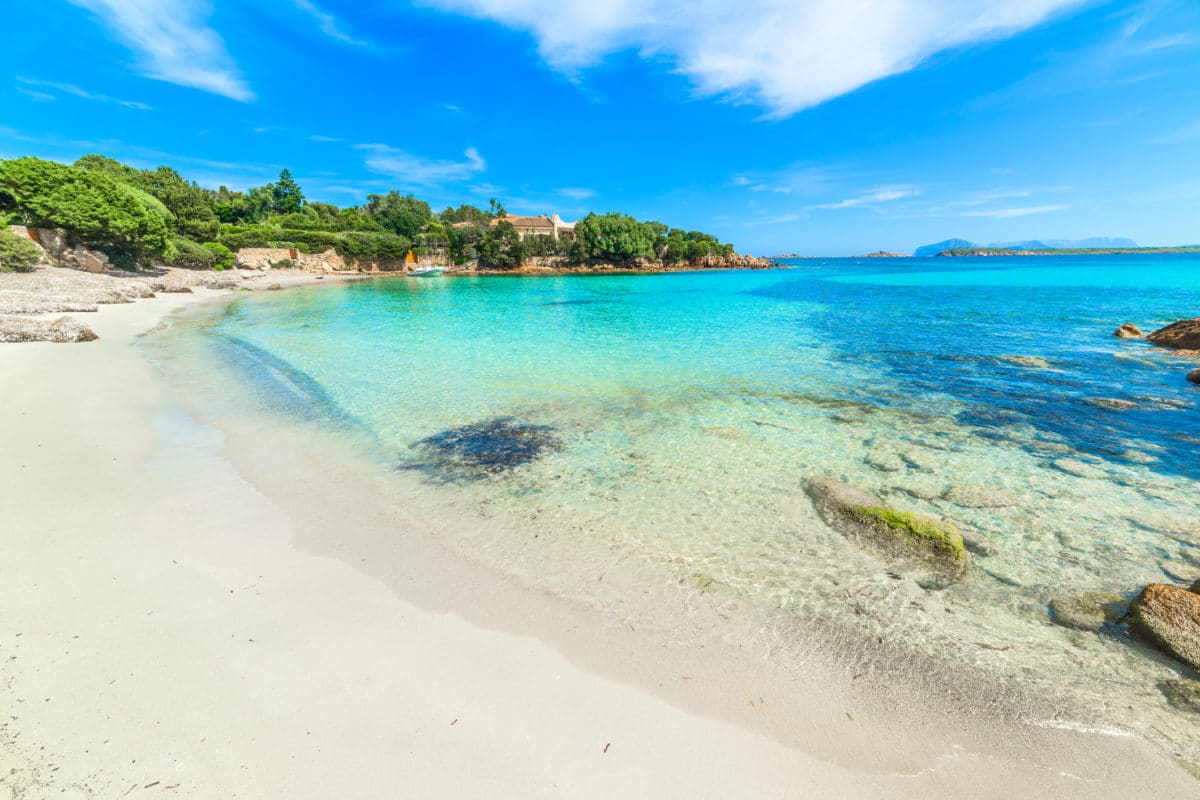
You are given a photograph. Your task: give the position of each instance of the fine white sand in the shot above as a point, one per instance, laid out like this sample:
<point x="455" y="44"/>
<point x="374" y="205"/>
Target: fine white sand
<point x="187" y="613"/>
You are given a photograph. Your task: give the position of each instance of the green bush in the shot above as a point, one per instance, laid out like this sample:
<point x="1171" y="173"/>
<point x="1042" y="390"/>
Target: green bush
<point x="501" y="247"/>
<point x="90" y="205"/>
<point x="17" y="254"/>
<point x="224" y="256"/>
<point x="370" y="246"/>
<point x="283" y="263"/>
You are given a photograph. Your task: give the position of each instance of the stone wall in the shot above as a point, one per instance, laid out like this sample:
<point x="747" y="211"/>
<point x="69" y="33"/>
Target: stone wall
<point x="264" y="258"/>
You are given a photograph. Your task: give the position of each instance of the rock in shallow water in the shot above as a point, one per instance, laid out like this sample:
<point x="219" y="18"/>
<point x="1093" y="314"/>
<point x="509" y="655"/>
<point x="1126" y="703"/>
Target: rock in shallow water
<point x="1169" y="618"/>
<point x="490" y="447"/>
<point x="1181" y="335"/>
<point x="979" y="497"/>
<point x="901" y="533"/>
<point x="1182" y="694"/>
<point x="1128" y="331"/>
<point x="1089" y="611"/>
<point x="1194" y="376"/>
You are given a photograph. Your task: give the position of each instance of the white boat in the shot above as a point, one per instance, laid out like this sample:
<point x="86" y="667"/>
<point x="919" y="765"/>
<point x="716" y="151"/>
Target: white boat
<point x="424" y="272"/>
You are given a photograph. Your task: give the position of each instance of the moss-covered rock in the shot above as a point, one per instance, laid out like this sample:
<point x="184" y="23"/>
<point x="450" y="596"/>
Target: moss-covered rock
<point x="905" y="534"/>
<point x="1169" y="618"/>
<point x="1089" y="611"/>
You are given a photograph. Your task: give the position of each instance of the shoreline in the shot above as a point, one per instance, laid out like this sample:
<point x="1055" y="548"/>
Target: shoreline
<point x="398" y="638"/>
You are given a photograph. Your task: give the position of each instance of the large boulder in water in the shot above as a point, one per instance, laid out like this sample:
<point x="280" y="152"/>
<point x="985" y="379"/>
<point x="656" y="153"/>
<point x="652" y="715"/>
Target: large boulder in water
<point x="1182" y="335"/>
<point x="1194" y="376"/>
<point x="905" y="534"/>
<point x="1128" y="331"/>
<point x="1169" y="618"/>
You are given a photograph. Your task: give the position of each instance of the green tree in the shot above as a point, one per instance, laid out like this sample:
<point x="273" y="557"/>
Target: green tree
<point x="17" y="254"/>
<point x="90" y="205"/>
<point x="501" y="247"/>
<point x="615" y="238"/>
<point x="404" y="215"/>
<point x="286" y="197"/>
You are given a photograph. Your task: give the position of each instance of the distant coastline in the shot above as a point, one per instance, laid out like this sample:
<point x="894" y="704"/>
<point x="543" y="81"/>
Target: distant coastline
<point x="1082" y="251"/>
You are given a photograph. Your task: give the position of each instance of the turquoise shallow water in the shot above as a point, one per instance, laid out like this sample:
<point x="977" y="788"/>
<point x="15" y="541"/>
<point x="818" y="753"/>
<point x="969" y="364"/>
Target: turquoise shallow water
<point x="670" y="420"/>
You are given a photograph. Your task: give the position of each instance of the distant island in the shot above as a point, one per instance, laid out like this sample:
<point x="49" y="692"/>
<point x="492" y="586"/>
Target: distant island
<point x="1064" y="251"/>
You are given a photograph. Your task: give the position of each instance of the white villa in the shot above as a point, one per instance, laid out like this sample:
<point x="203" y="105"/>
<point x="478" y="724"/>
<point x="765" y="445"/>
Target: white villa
<point x="537" y="226"/>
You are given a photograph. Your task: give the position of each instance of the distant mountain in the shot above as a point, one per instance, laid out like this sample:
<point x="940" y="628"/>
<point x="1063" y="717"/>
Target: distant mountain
<point x="1067" y="244"/>
<point x="1028" y="244"/>
<point x="934" y="249"/>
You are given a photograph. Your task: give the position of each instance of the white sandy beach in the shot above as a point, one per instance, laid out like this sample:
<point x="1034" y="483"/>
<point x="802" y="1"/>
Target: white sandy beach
<point x="189" y="614"/>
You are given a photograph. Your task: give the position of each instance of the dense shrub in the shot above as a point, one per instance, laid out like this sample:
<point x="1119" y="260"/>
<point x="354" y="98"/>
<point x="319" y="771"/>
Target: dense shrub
<point x="224" y="256"/>
<point x="88" y="204"/>
<point x="235" y="237"/>
<point x="17" y="254"/>
<point x="370" y="246"/>
<point x="212" y="255"/>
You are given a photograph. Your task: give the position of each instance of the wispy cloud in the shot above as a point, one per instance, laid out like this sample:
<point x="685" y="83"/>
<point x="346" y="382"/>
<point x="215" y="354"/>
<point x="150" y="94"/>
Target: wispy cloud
<point x="577" y="193"/>
<point x="174" y="42"/>
<point x="72" y="89"/>
<point x="1009" y="213"/>
<point x="318" y="138"/>
<point x="330" y="25"/>
<point x="416" y="171"/>
<point x="1187" y="133"/>
<point x="786" y="56"/>
<point x="884" y="194"/>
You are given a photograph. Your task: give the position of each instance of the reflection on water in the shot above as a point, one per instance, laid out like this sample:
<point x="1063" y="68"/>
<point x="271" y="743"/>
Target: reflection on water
<point x="672" y="420"/>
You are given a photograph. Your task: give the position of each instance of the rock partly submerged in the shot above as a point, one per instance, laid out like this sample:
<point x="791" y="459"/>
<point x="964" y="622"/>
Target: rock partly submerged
<point x="1182" y="694"/>
<point x="1181" y="335"/>
<point x="1169" y="618"/>
<point x="905" y="534"/>
<point x="980" y="497"/>
<point x="1128" y="331"/>
<point x="1194" y="376"/>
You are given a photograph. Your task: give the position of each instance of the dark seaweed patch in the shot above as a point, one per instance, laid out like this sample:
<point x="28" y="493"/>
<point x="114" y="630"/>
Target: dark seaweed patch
<point x="488" y="448"/>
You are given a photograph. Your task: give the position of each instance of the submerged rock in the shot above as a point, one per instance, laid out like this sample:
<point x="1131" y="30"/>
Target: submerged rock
<point x="979" y="497"/>
<point x="1194" y="376"/>
<point x="1033" y="362"/>
<point x="490" y="447"/>
<point x="1182" y="335"/>
<point x="855" y="513"/>
<point x="1128" y="331"/>
<point x="1169" y="618"/>
<point x="1089" y="611"/>
<point x="884" y="462"/>
<point x="1079" y="469"/>
<point x="1111" y="403"/>
<point x="1182" y="694"/>
<point x="977" y="543"/>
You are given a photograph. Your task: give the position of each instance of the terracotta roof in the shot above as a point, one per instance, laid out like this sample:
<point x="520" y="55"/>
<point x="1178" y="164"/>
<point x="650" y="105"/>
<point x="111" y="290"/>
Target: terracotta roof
<point x="526" y="222"/>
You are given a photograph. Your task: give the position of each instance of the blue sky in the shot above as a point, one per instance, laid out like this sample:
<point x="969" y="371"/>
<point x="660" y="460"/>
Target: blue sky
<point x="829" y="127"/>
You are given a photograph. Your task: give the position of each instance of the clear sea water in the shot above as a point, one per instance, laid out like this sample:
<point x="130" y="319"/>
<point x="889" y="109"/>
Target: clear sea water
<point x="682" y="412"/>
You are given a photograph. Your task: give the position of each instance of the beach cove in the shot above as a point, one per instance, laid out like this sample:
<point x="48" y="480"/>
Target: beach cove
<point x="303" y="626"/>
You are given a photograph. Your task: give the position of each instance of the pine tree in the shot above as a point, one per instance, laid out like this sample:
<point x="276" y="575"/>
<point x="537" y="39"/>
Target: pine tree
<point x="287" y="196"/>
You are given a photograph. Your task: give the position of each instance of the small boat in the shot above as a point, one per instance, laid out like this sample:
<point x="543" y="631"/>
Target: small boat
<point x="424" y="272"/>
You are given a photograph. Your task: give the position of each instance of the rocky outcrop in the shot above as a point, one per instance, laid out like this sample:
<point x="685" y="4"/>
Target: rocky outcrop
<point x="1128" y="331"/>
<point x="1194" y="376"/>
<point x="1169" y="618"/>
<point x="62" y="251"/>
<point x="1182" y="335"/>
<point x="1089" y="611"/>
<point x="268" y="258"/>
<point x="904" y="534"/>
<point x="30" y="329"/>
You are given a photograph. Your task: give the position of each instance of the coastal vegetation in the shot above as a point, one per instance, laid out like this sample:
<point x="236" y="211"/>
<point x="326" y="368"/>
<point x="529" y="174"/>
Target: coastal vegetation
<point x="137" y="217"/>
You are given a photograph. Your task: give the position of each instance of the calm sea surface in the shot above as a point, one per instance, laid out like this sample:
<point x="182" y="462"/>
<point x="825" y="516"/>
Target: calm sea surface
<point x="670" y="421"/>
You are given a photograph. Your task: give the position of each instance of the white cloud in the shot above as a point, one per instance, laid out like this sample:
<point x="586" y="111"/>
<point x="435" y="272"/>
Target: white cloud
<point x="72" y="89"/>
<point x="1009" y="213"/>
<point x="330" y="25"/>
<point x="174" y="42"/>
<point x="885" y="194"/>
<point x="784" y="54"/>
<point x="414" y="170"/>
<point x="1187" y="133"/>
<point x="577" y="193"/>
